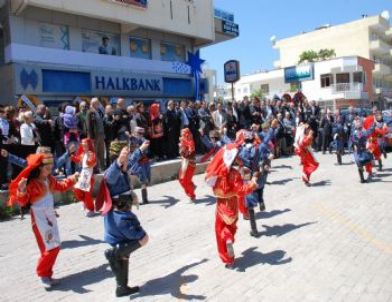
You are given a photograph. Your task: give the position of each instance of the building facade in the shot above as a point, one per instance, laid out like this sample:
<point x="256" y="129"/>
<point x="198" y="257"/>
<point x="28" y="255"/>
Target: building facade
<point x="334" y="83"/>
<point x="57" y="50"/>
<point x="369" y="38"/>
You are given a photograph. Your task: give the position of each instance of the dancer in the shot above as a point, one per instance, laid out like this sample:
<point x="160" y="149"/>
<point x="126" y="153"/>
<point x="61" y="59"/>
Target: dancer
<point x="303" y="142"/>
<point x="35" y="186"/>
<point x="228" y="186"/>
<point x="83" y="189"/>
<point x="266" y="148"/>
<point x="188" y="163"/>
<point x="142" y="168"/>
<point x="363" y="157"/>
<point x="339" y="137"/>
<point x="250" y="157"/>
<point x="122" y="227"/>
<point x="375" y="140"/>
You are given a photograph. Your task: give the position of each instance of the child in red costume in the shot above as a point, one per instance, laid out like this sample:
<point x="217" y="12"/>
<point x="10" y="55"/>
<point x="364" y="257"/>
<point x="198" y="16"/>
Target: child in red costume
<point x="375" y="139"/>
<point x="86" y="158"/>
<point x="188" y="163"/>
<point x="35" y="186"/>
<point x="303" y="142"/>
<point x="228" y="187"/>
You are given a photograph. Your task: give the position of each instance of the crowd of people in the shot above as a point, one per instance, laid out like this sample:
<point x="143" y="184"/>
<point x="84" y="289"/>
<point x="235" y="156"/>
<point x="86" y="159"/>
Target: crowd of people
<point x="114" y="125"/>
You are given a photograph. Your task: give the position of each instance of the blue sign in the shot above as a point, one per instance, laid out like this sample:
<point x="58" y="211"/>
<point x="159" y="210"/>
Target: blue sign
<point x="230" y="28"/>
<point x="298" y="73"/>
<point x="232" y="71"/>
<point x="223" y="15"/>
<point x="28" y="78"/>
<point x="63" y="81"/>
<point x="127" y="83"/>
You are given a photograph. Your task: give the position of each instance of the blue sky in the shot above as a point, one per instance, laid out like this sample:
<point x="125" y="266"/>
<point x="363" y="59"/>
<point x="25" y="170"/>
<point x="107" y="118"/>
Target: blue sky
<point x="261" y="19"/>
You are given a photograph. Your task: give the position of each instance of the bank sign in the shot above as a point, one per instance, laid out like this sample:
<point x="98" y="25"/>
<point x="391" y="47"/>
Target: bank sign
<point x="298" y="73"/>
<point x="126" y="84"/>
<point x="231" y="71"/>
<point x="230" y="28"/>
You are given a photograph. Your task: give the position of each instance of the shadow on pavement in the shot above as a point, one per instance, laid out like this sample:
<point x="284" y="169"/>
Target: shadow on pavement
<point x="321" y="183"/>
<point x="172" y="284"/>
<point x="70" y="244"/>
<point x="283" y="167"/>
<point x="167" y="202"/>
<point x="381" y="174"/>
<point x="77" y="282"/>
<point x="208" y="200"/>
<point x="279" y="230"/>
<point x="270" y="214"/>
<point x="251" y="257"/>
<point x="281" y="182"/>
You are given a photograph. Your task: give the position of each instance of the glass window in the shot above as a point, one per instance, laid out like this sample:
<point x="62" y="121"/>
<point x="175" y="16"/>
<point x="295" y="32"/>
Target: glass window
<point x="100" y="42"/>
<point x="342" y="78"/>
<point x="140" y="48"/>
<point x="172" y="52"/>
<point x="264" y="88"/>
<point x="358" y="77"/>
<point x="326" y="80"/>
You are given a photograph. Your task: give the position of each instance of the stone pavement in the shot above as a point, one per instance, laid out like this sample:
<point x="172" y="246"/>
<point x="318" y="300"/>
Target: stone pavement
<point x="329" y="242"/>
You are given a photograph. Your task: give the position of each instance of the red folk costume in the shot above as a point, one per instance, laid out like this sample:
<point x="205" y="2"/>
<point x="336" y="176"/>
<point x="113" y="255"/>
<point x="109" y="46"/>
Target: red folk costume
<point x="228" y="187"/>
<point x="302" y="144"/>
<point x="39" y="194"/>
<point x="188" y="163"/>
<point x="373" y="141"/>
<point x="87" y="160"/>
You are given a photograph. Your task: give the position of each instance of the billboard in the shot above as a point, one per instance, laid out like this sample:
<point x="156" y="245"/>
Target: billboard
<point x="298" y="73"/>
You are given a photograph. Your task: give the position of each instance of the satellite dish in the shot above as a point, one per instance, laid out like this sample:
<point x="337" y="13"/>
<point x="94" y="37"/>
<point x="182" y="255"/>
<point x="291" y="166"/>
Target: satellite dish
<point x="385" y="15"/>
<point x="273" y="38"/>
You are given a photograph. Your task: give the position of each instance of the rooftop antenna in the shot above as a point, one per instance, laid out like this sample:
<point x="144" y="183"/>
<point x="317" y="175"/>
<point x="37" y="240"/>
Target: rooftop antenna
<point x="273" y="40"/>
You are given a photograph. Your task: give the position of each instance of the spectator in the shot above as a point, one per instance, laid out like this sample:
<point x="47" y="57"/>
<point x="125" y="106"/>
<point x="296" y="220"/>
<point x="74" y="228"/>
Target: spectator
<point x="44" y="126"/>
<point x="28" y="130"/>
<point x="108" y="129"/>
<point x="219" y="117"/>
<point x="156" y="131"/>
<point x="70" y="126"/>
<point x="82" y="119"/>
<point x="172" y="128"/>
<point x="96" y="132"/>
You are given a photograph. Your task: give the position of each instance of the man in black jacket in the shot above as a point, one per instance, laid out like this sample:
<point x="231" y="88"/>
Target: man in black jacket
<point x="171" y="129"/>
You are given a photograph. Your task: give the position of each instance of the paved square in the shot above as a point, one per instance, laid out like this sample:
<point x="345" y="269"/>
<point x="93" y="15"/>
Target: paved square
<point x="329" y="242"/>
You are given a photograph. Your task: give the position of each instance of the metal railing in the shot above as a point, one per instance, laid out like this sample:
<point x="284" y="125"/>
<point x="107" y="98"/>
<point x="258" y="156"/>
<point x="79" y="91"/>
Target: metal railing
<point x="345" y="87"/>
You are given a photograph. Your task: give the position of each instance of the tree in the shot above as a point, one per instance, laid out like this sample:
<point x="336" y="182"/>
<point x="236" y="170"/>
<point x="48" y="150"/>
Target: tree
<point x="257" y="93"/>
<point x="308" y="56"/>
<point x="325" y="54"/>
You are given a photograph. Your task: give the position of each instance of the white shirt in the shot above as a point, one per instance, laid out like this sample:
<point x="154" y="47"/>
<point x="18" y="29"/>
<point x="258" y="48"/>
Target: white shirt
<point x="27" y="134"/>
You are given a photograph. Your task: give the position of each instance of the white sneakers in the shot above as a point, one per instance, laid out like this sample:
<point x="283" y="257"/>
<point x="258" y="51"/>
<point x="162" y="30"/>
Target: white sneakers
<point x="49" y="282"/>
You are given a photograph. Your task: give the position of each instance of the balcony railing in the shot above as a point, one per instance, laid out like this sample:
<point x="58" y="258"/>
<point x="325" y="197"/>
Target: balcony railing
<point x="344" y="87"/>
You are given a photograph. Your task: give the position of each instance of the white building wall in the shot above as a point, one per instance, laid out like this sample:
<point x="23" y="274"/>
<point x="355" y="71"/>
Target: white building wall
<point x="156" y="16"/>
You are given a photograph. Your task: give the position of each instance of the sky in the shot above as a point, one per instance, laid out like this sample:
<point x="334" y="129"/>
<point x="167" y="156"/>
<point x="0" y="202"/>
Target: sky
<point x="259" y="20"/>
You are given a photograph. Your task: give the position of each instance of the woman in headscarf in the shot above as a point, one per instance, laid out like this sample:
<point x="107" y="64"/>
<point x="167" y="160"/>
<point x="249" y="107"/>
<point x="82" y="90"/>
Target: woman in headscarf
<point x="85" y="157"/>
<point x="228" y="187"/>
<point x="35" y="186"/>
<point x="303" y="142"/>
<point x="188" y="163"/>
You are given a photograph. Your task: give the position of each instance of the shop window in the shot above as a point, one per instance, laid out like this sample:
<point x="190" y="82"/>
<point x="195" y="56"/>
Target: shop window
<point x="326" y="80"/>
<point x="358" y="77"/>
<point x="264" y="88"/>
<point x="172" y="52"/>
<point x="140" y="48"/>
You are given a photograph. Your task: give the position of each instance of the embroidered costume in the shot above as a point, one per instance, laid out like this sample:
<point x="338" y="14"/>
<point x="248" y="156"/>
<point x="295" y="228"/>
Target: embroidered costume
<point x="83" y="189"/>
<point x="228" y="187"/>
<point x="303" y="142"/>
<point x="39" y="195"/>
<point x="188" y="163"/>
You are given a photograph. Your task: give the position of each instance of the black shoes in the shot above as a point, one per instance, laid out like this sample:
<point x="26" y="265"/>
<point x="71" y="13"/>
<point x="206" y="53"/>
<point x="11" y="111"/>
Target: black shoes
<point x="262" y="206"/>
<point x="144" y="196"/>
<point x="126" y="291"/>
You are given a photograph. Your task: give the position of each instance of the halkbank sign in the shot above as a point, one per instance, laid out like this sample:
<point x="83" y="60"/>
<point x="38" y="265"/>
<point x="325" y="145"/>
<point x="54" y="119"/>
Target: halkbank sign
<point x="298" y="73"/>
<point x="127" y="83"/>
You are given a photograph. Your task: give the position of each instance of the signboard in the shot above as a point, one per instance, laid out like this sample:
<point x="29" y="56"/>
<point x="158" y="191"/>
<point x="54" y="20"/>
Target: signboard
<point x="232" y="71"/>
<point x="53" y="36"/>
<point x="139" y="3"/>
<point x="126" y="84"/>
<point x="223" y="15"/>
<point x="230" y="28"/>
<point x="100" y="42"/>
<point x="298" y="73"/>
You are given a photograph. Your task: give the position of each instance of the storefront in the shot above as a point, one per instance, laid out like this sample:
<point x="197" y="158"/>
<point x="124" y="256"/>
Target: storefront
<point x="53" y="86"/>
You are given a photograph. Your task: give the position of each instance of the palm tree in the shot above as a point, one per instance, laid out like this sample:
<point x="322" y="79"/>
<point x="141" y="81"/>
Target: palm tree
<point x="308" y="56"/>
